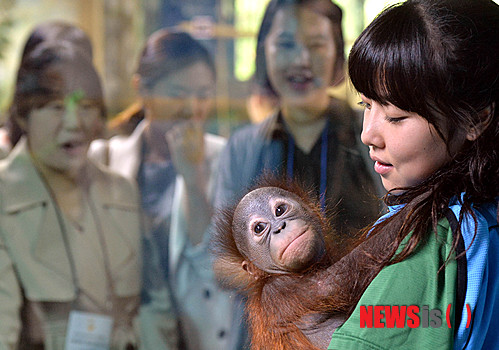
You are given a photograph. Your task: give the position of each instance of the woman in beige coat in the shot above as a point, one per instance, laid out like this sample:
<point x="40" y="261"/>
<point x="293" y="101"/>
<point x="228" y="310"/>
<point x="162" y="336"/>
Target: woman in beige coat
<point x="69" y="230"/>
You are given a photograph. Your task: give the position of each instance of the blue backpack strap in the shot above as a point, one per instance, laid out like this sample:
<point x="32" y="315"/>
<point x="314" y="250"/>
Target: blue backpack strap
<point x="462" y="268"/>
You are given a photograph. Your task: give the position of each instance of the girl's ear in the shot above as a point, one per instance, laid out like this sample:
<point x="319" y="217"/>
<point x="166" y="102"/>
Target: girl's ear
<point x="485" y="118"/>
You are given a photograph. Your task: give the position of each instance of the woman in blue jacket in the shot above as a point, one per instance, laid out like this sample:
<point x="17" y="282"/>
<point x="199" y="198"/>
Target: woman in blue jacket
<point x="312" y="137"/>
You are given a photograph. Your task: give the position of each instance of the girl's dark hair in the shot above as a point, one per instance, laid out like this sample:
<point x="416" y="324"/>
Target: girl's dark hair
<point x="166" y="52"/>
<point x="325" y="8"/>
<point x="41" y="80"/>
<point x="439" y="59"/>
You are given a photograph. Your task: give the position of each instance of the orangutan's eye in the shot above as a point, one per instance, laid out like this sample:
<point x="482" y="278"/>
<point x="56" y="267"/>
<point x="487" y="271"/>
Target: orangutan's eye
<point x="259" y="228"/>
<point x="281" y="209"/>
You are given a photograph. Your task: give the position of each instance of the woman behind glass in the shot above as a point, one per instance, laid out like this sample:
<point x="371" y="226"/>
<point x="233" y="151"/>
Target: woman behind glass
<point x="175" y="162"/>
<point x="312" y="137"/>
<point x="69" y="231"/>
<point x="54" y="31"/>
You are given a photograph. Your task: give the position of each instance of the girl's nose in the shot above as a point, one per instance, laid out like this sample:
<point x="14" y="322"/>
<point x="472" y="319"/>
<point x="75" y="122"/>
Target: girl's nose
<point x="302" y="54"/>
<point x="371" y="128"/>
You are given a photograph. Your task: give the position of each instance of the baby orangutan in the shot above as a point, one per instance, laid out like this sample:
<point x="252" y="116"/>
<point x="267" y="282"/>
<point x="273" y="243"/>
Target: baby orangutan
<point x="277" y="246"/>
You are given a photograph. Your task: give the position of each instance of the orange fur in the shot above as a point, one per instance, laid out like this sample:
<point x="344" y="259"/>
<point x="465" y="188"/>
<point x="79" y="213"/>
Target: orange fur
<point x="278" y="303"/>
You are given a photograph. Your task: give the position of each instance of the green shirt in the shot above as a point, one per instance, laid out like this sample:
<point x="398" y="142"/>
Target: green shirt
<point x="414" y="281"/>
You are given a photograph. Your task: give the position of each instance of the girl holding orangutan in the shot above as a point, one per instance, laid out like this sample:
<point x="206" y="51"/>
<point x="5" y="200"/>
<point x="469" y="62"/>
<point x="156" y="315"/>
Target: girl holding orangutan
<point x="428" y="75"/>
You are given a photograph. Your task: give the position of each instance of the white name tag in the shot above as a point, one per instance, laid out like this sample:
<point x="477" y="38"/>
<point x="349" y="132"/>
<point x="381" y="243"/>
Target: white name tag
<point x="88" y="331"/>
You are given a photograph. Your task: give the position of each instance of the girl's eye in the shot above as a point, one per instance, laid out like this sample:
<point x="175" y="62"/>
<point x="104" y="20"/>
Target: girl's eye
<point x="394" y="120"/>
<point x="364" y="104"/>
<point x="56" y="105"/>
<point x="281" y="209"/>
<point x="316" y="45"/>
<point x="259" y="228"/>
<point x="286" y="44"/>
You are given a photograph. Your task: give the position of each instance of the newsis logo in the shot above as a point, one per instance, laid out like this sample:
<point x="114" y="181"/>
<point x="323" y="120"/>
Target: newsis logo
<point x="400" y="316"/>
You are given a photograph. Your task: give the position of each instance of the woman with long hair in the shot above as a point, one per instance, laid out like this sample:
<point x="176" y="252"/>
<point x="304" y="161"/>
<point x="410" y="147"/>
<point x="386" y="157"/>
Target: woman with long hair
<point x="428" y="75"/>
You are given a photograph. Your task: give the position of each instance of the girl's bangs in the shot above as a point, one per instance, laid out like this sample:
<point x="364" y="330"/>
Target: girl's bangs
<point x="387" y="62"/>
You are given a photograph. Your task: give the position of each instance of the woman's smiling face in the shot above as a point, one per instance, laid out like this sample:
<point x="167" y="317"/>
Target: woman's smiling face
<point x="300" y="54"/>
<point x="406" y="148"/>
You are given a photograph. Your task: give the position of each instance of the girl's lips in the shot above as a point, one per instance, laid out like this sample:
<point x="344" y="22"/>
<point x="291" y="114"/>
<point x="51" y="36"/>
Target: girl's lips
<point x="382" y="168"/>
<point x="300" y="82"/>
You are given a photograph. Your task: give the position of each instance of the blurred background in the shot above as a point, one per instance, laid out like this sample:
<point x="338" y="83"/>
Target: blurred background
<point x="118" y="28"/>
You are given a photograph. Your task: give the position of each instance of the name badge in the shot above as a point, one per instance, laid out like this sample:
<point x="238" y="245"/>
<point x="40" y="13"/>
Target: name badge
<point x="88" y="331"/>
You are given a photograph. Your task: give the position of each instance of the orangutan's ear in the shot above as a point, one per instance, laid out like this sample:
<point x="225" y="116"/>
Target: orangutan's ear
<point x="485" y="118"/>
<point x="250" y="269"/>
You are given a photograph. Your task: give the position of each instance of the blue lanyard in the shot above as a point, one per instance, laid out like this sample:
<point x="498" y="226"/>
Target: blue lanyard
<point x="323" y="177"/>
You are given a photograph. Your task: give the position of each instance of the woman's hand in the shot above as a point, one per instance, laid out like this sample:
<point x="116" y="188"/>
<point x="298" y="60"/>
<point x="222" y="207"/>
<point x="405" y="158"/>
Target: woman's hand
<point x="187" y="150"/>
<point x="186" y="145"/>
